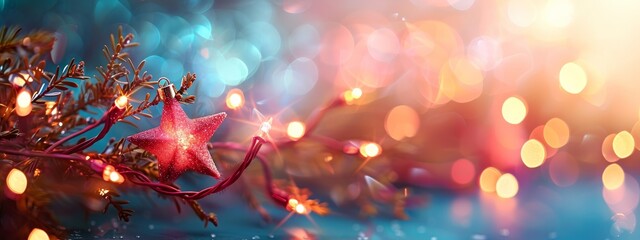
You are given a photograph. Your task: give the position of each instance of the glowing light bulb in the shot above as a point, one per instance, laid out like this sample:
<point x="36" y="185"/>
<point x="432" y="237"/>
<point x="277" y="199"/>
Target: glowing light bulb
<point x="488" y="179"/>
<point x="301" y="209"/>
<point x="23" y="103"/>
<point x="21" y="79"/>
<point x="349" y="148"/>
<point x="623" y="144"/>
<point x="613" y="176"/>
<point x="507" y="186"/>
<point x="295" y="130"/>
<point x="116" y="177"/>
<point x="292" y="203"/>
<point x="514" y="110"/>
<point x="295" y="205"/>
<point x="532" y="153"/>
<point x="370" y="149"/>
<point x="265" y="127"/>
<point x="16" y="181"/>
<point x="18" y="81"/>
<point x="121" y="102"/>
<point x="235" y="99"/>
<point x="38" y="234"/>
<point x="106" y="173"/>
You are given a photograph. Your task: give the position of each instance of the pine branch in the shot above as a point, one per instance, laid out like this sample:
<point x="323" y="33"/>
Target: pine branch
<point x="206" y="218"/>
<point x="186" y="83"/>
<point x="57" y="81"/>
<point x="253" y="201"/>
<point x="9" y="134"/>
<point x="123" y="213"/>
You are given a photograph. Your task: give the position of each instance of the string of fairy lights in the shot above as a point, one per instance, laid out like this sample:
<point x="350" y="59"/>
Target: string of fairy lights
<point x="17" y="182"/>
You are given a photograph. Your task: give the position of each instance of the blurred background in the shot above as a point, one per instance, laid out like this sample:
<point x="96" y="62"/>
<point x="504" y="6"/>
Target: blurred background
<point x="500" y="119"/>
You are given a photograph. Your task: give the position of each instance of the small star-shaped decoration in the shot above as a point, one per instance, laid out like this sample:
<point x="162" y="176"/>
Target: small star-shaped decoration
<point x="180" y="143"/>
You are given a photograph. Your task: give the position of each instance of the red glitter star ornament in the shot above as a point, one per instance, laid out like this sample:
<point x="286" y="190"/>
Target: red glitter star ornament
<point x="180" y="143"/>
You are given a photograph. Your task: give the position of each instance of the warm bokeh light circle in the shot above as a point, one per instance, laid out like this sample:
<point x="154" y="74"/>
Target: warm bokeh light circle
<point x="402" y="122"/>
<point x="38" y="234"/>
<point x="235" y="99"/>
<point x="623" y="144"/>
<point x="383" y="45"/>
<point x="23" y="103"/>
<point x="295" y="130"/>
<point x="16" y="181"/>
<point x="463" y="171"/>
<point x="460" y="80"/>
<point x="556" y="133"/>
<point x="514" y="110"/>
<point x="338" y="45"/>
<point x="488" y="179"/>
<point x="23" y="99"/>
<point x="532" y="153"/>
<point x="625" y="198"/>
<point x="573" y="78"/>
<point x="507" y="186"/>
<point x="613" y="176"/>
<point x="607" y="149"/>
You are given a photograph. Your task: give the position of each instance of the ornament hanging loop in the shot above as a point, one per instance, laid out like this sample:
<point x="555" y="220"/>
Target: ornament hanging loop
<point x="167" y="90"/>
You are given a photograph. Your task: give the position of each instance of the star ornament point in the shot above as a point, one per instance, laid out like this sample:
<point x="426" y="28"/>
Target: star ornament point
<point x="180" y="143"/>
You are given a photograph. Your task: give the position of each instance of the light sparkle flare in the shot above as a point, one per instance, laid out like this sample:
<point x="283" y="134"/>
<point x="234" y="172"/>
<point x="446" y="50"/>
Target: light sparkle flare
<point x="370" y="150"/>
<point x="121" y="102"/>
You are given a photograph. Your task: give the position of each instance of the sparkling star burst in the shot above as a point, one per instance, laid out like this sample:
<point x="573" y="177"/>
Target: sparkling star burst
<point x="180" y="143"/>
